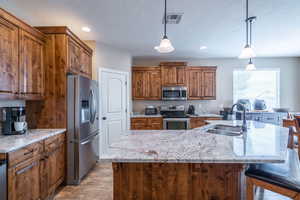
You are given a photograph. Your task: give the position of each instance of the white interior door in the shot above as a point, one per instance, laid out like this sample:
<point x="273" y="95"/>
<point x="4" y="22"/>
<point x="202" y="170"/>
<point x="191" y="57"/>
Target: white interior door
<point x="114" y="97"/>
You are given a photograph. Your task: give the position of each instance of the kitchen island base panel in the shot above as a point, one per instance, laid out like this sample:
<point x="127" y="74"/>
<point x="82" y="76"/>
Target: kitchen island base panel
<point x="177" y="181"/>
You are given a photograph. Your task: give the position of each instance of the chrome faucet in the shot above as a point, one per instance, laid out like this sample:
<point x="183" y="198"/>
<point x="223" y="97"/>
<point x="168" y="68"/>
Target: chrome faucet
<point x="244" y="126"/>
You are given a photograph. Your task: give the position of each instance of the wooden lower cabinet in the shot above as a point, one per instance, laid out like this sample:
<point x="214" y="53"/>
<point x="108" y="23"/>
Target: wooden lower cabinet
<point x="178" y="181"/>
<point x="24" y="181"/>
<point x="38" y="177"/>
<point x="197" y="122"/>
<point x="144" y="123"/>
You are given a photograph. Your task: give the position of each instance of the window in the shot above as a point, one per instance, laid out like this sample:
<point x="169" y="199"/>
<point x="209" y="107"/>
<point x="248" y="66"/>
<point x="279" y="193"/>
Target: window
<point x="258" y="84"/>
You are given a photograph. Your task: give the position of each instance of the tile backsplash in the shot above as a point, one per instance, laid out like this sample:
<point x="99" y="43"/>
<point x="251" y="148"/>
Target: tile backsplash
<point x="212" y="107"/>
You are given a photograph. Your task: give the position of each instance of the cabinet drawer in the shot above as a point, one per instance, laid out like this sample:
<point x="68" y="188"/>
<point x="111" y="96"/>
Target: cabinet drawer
<point x="154" y="120"/>
<point x="26" y="153"/>
<point x="139" y="120"/>
<point x="52" y="143"/>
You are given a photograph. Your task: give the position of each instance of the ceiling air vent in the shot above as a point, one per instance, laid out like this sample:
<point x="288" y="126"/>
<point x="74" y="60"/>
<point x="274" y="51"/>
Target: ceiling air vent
<point x="173" y="18"/>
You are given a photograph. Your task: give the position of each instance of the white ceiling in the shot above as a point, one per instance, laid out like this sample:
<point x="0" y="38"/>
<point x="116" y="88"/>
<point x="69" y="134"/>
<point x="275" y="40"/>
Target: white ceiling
<point x="136" y="25"/>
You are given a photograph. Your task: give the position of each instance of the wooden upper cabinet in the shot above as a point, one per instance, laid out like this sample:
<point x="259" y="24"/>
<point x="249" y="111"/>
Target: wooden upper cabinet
<point x="201" y="83"/>
<point x="21" y="59"/>
<point x="195" y="83"/>
<point x="74" y="56"/>
<point x="209" y="84"/>
<point x="146" y="83"/>
<point x="169" y="75"/>
<point x="31" y="66"/>
<point x="173" y="73"/>
<point x="79" y="59"/>
<point x="86" y="62"/>
<point x="9" y="61"/>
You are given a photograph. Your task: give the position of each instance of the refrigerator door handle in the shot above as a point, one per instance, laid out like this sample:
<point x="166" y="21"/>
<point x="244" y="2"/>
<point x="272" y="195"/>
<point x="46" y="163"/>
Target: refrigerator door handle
<point x="93" y="111"/>
<point x="86" y="142"/>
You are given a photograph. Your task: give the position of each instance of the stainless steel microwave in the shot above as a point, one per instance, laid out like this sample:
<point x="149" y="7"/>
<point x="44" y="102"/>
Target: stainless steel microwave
<point x="177" y="93"/>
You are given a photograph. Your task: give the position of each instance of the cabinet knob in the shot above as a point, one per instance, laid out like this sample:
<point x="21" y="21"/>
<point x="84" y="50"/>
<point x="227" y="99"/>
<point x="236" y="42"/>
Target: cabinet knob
<point x="104" y="118"/>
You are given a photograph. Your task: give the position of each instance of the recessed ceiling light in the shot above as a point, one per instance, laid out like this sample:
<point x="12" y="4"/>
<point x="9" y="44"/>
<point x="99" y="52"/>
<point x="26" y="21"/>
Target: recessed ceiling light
<point x="203" y="47"/>
<point x="86" y="29"/>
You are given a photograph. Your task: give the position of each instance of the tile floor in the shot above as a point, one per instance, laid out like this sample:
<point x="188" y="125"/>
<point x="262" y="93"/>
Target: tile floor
<point x="98" y="186"/>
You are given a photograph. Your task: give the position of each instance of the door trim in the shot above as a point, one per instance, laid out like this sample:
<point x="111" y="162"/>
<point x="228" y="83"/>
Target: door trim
<point x="128" y="92"/>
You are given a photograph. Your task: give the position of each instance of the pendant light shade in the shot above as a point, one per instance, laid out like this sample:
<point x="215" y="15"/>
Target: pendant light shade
<point x="165" y="45"/>
<point x="247" y="52"/>
<point x="250" y="66"/>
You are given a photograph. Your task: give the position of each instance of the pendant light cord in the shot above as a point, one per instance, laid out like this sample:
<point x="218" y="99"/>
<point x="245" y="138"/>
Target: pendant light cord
<point x="247" y="24"/>
<point x="165" y="33"/>
<point x="250" y="38"/>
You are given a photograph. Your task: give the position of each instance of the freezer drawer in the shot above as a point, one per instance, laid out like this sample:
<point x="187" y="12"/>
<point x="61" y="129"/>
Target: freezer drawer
<point x="88" y="155"/>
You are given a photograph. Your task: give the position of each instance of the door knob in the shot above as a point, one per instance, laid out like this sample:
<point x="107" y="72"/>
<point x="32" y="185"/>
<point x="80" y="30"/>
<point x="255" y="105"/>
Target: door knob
<point x="104" y="118"/>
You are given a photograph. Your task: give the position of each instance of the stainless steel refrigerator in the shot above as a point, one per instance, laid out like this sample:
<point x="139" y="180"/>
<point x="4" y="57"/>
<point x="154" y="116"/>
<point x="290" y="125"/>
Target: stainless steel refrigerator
<point x="83" y="127"/>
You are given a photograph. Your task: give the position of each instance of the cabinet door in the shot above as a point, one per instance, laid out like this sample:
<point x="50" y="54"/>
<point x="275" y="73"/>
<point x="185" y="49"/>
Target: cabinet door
<point x="153" y="81"/>
<point x="53" y="171"/>
<point x="139" y="85"/>
<point x="195" y="84"/>
<point x="209" y="84"/>
<point x="169" y="75"/>
<point x="86" y="63"/>
<point x="31" y="65"/>
<point x="181" y="75"/>
<point x="74" y="54"/>
<point x="139" y="123"/>
<point x="24" y="182"/>
<point x="9" y="61"/>
<point x="155" y="123"/>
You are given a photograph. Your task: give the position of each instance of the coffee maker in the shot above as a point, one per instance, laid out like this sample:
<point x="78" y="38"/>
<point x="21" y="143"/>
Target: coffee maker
<point x="9" y="118"/>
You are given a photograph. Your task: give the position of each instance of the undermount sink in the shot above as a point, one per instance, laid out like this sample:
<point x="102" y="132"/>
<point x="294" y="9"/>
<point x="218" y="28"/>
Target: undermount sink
<point x="226" y="130"/>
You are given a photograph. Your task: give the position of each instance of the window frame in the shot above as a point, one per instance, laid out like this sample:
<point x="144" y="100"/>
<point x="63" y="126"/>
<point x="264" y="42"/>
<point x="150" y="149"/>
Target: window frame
<point x="277" y="70"/>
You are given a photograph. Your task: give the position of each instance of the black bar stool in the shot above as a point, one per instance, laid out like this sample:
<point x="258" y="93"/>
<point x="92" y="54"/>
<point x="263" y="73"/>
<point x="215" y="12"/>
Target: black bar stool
<point x="283" y="178"/>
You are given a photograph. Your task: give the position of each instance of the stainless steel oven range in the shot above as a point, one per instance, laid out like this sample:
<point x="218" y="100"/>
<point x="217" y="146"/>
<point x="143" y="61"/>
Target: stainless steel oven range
<point x="174" y="118"/>
<point x="176" y="123"/>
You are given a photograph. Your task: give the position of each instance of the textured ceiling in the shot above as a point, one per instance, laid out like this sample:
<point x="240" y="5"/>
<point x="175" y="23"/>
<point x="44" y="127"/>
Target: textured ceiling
<point x="136" y="25"/>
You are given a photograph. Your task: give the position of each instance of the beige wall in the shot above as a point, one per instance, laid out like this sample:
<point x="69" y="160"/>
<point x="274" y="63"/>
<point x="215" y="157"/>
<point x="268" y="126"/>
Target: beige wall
<point x="105" y="56"/>
<point x="289" y="81"/>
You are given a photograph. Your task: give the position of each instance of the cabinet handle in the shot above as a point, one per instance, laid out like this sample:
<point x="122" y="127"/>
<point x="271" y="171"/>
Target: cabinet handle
<point x="26" y="168"/>
<point x="27" y="153"/>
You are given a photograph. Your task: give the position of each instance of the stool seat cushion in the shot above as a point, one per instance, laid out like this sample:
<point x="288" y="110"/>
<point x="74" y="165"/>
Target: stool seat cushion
<point x="286" y="175"/>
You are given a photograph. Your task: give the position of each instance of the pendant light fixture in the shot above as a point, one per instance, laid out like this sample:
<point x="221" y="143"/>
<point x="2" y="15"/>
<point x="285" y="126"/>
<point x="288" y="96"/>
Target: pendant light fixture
<point x="248" y="51"/>
<point x="250" y="66"/>
<point x="165" y="44"/>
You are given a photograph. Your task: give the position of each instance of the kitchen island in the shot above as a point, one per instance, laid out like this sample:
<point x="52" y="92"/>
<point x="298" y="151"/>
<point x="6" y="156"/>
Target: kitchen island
<point x="192" y="164"/>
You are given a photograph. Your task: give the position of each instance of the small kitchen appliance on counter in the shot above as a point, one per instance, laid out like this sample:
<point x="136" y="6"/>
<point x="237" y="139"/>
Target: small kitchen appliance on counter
<point x="191" y="110"/>
<point x="13" y="120"/>
<point x="174" y="118"/>
<point x="151" y="110"/>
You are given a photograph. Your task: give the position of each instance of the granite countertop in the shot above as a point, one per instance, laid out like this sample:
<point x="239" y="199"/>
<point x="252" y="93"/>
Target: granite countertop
<point x="205" y="115"/>
<point x="15" y="142"/>
<point x="262" y="143"/>
<point x="143" y="115"/>
<point x="191" y="116"/>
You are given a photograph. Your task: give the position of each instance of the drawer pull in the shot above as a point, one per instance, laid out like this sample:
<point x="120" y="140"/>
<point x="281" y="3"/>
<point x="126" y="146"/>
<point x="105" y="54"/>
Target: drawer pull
<point x="26" y="168"/>
<point x="29" y="152"/>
